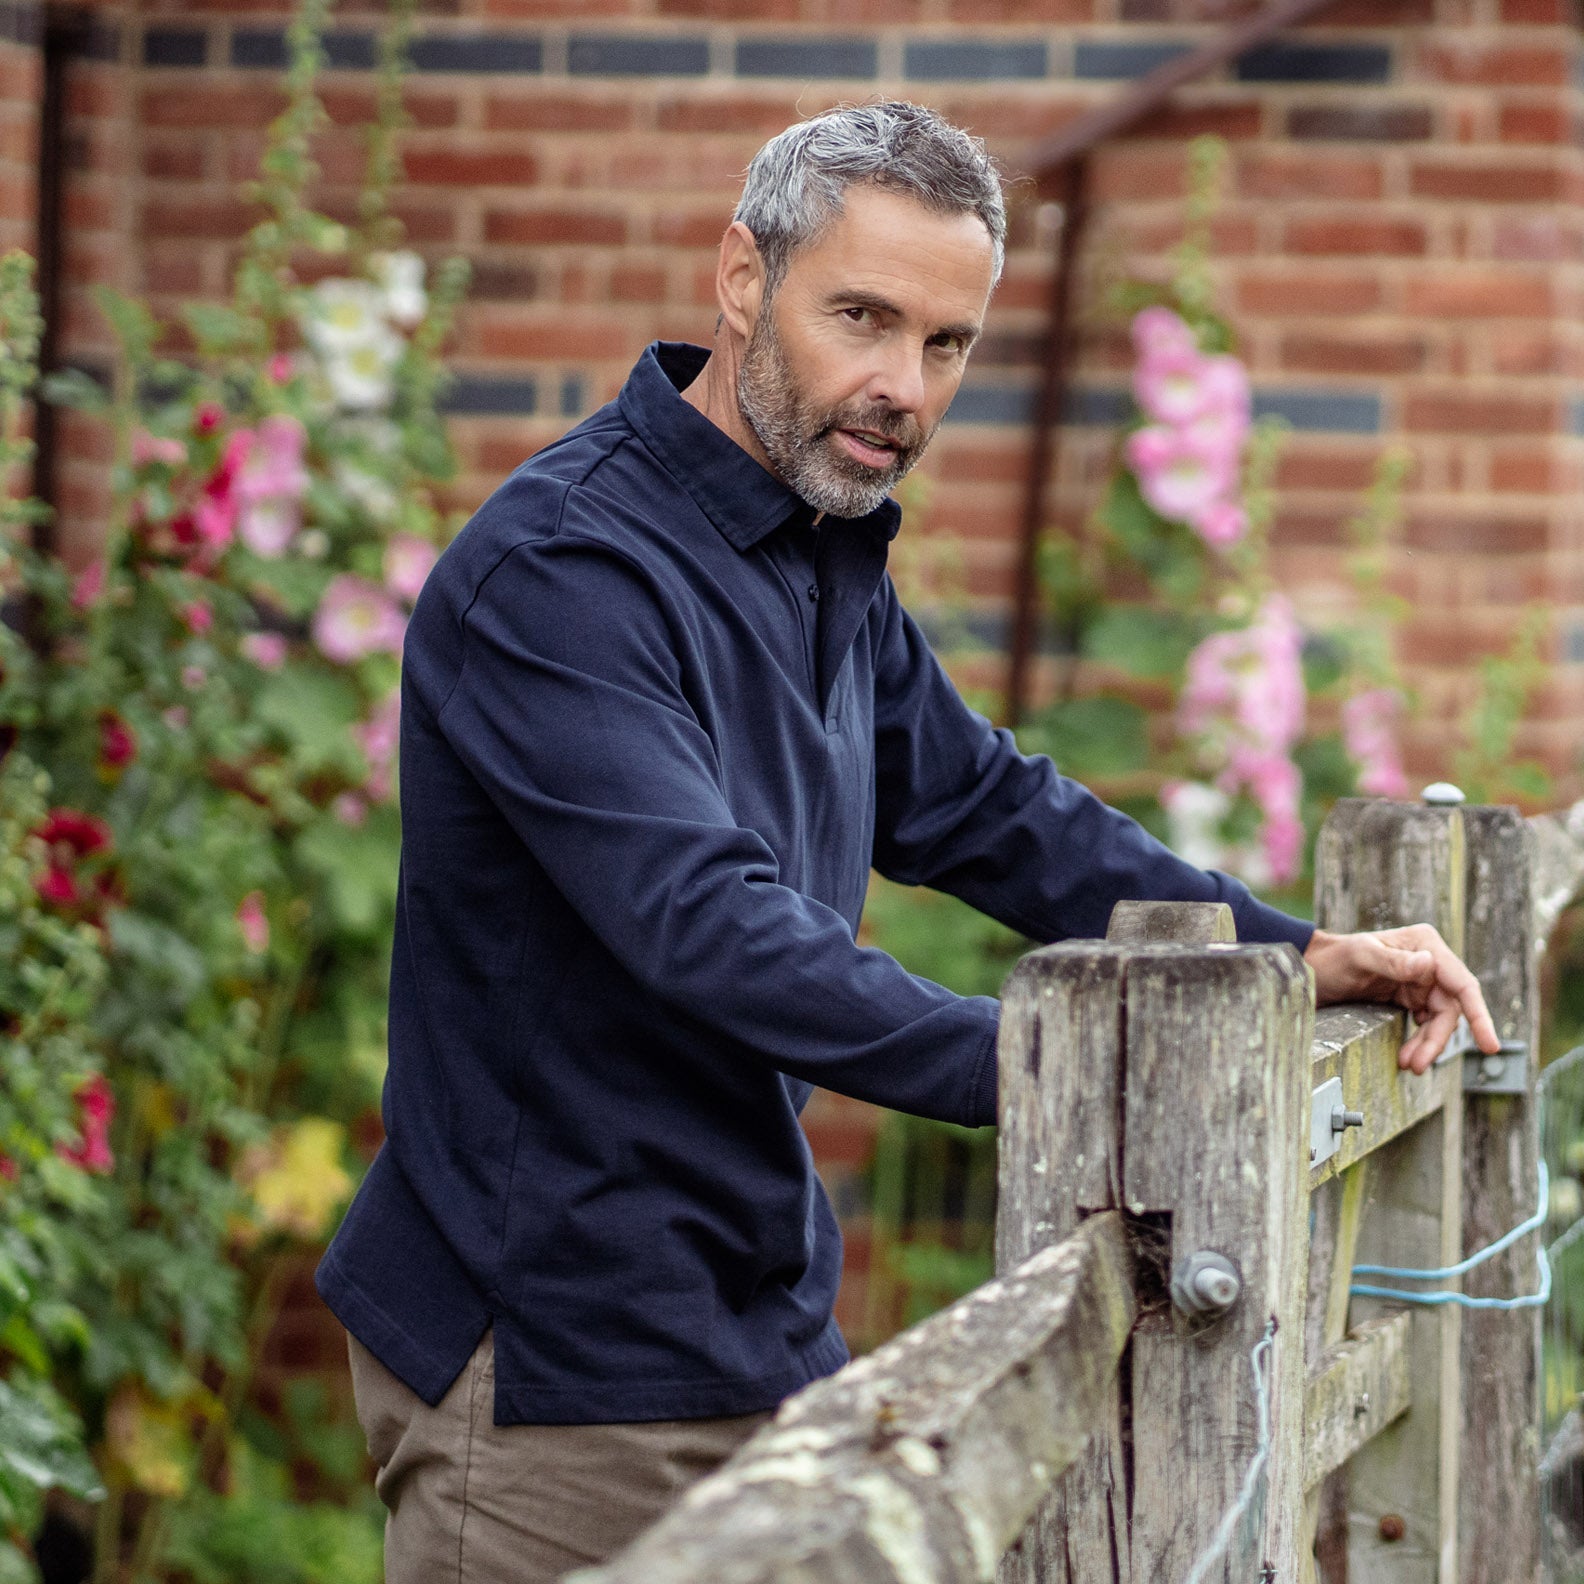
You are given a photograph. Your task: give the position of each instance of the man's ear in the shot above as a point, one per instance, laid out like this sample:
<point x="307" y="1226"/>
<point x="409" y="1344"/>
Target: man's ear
<point x="740" y="280"/>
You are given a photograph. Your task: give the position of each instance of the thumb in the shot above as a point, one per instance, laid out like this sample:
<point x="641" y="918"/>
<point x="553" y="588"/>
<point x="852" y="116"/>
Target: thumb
<point x="1408" y="966"/>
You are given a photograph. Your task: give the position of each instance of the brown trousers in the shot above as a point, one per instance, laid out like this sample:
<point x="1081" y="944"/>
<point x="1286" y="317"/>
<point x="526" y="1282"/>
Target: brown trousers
<point x="474" y="1502"/>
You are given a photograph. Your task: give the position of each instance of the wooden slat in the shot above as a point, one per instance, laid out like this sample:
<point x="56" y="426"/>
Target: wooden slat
<point x="1060" y="1152"/>
<point x="1218" y="1045"/>
<point x="1359" y="1044"/>
<point x="924" y="1459"/>
<point x="1499" y="1500"/>
<point x="1162" y="923"/>
<point x="1379" y="865"/>
<point x="1359" y="1389"/>
<point x="1558" y="866"/>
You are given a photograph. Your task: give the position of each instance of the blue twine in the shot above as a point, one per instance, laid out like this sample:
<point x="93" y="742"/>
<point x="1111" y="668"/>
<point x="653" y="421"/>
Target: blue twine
<point x="1446" y="1272"/>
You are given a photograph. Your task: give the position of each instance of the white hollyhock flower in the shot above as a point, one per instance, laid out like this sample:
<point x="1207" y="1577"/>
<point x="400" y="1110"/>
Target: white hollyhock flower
<point x="366" y="489"/>
<point x="401" y="278"/>
<point x="1194" y="812"/>
<point x="361" y="375"/>
<point x="342" y="314"/>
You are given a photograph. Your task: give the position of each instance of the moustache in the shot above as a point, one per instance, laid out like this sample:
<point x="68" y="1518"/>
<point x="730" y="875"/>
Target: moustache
<point x="893" y="426"/>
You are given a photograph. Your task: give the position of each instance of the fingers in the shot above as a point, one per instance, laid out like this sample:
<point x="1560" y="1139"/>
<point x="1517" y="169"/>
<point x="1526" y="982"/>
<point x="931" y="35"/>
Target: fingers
<point x="1425" y="1044"/>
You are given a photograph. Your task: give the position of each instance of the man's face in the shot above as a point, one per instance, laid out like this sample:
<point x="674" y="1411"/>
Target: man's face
<point x="852" y="364"/>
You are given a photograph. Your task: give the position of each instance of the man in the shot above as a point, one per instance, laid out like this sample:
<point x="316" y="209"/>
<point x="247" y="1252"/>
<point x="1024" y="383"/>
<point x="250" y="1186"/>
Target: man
<point x="661" y="714"/>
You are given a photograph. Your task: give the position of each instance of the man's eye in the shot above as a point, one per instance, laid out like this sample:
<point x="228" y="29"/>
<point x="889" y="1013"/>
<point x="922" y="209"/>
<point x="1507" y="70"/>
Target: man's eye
<point x="949" y="343"/>
<point x="858" y="315"/>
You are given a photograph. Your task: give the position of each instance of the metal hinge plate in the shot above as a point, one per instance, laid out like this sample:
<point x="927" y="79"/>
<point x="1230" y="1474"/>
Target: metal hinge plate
<point x="1504" y="1073"/>
<point x="1324" y="1139"/>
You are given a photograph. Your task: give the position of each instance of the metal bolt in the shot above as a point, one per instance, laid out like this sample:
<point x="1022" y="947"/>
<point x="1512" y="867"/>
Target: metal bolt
<point x="1361" y="1405"/>
<point x="1392" y="1527"/>
<point x="1205" y="1284"/>
<point x="1442" y="794"/>
<point x="1491" y="1068"/>
<point x="1341" y="1119"/>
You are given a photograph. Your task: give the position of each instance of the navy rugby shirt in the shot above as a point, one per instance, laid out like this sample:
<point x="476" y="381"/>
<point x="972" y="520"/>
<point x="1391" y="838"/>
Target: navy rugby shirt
<point x="655" y="732"/>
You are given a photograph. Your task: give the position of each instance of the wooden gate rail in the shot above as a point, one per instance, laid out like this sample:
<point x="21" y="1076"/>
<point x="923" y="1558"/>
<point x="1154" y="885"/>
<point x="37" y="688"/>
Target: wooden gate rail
<point x="1155" y="1103"/>
<point x="923" y="1460"/>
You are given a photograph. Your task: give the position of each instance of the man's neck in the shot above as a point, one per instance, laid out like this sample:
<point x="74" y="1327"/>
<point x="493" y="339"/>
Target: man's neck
<point x="714" y="393"/>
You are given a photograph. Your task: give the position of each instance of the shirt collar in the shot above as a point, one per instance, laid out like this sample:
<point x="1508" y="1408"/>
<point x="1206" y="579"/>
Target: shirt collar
<point x="743" y="499"/>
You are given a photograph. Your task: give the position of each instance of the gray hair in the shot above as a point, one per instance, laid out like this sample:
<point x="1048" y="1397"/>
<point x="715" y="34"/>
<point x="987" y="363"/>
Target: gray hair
<point x="796" y="181"/>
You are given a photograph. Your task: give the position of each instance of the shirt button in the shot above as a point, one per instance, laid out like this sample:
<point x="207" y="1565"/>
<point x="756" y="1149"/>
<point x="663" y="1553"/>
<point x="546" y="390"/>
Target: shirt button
<point x="813" y="591"/>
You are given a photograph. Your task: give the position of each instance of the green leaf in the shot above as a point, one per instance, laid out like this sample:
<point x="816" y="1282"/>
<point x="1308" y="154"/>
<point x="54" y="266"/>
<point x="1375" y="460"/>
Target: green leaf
<point x="1141" y="641"/>
<point x="358" y="868"/>
<point x="313" y="710"/>
<point x="1098" y="736"/>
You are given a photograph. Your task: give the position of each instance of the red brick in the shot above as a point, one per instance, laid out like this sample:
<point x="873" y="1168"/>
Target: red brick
<point x="692" y="230"/>
<point x="1453" y="411"/>
<point x="1482" y="296"/>
<point x="354" y="107"/>
<point x="1311" y="525"/>
<point x="501" y="279"/>
<point x="536" y="111"/>
<point x="1487" y="183"/>
<point x="1308" y="292"/>
<point x="1307" y="175"/>
<point x="1514" y="351"/>
<point x="561" y="339"/>
<point x="1505" y="65"/>
<point x="1357" y="233"/>
<point x="537" y="10"/>
<point x="1529" y="470"/>
<point x="1037" y="11"/>
<point x="1230" y="121"/>
<point x="1120" y="172"/>
<point x="185" y="105"/>
<point x="1535" y="123"/>
<point x="425" y="222"/>
<point x="1381" y="353"/>
<point x="540" y="226"/>
<point x="1315" y="468"/>
<point x="173" y="161"/>
<point x="1461" y="533"/>
<point x="1538" y="11"/>
<point x="454" y="167"/>
<point x="763" y="113"/>
<point x="165" y="219"/>
<point x="172" y="272"/>
<point x="637" y="283"/>
<point x="732" y="10"/>
<point x="1542" y="238"/>
<point x="1012" y="114"/>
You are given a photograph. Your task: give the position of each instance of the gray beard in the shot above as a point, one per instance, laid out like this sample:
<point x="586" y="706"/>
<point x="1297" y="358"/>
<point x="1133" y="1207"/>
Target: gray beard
<point x="795" y="436"/>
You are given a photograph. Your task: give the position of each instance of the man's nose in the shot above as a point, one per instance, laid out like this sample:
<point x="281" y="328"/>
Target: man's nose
<point x="898" y="382"/>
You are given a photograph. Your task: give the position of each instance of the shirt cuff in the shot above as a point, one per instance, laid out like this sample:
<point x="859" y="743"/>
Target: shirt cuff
<point x="1258" y="921"/>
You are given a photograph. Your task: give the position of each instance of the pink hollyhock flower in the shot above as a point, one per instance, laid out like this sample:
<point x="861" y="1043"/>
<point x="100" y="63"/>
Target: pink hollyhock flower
<point x="89" y="585"/>
<point x="1158" y="332"/>
<point x="356" y="618"/>
<point x="271" y="486"/>
<point x="266" y="650"/>
<point x="379" y="737"/>
<point x="408" y="560"/>
<point x="193" y="677"/>
<point x="207" y="417"/>
<point x="117" y="742"/>
<point x="1221" y="524"/>
<point x="253" y="923"/>
<point x="198" y="616"/>
<point x="176" y="717"/>
<point x="1223" y="422"/>
<point x="279" y="369"/>
<point x="95" y="1111"/>
<point x="150" y="448"/>
<point x="268" y="527"/>
<point x="1369" y="733"/>
<point x="214" y="514"/>
<point x="1170" y="387"/>
<point x="1178" y="478"/>
<point x="349" y="808"/>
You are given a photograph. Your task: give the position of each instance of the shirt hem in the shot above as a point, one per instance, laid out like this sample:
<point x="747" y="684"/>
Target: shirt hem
<point x="636" y="1402"/>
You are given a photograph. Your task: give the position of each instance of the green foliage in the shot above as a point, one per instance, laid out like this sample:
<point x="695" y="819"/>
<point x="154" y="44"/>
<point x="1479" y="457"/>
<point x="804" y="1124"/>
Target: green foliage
<point x="198" y="845"/>
<point x="1484" y="767"/>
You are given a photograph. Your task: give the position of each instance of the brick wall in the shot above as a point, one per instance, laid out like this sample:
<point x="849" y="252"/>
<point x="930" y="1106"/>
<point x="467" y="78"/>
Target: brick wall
<point x="21" y="85"/>
<point x="1400" y="248"/>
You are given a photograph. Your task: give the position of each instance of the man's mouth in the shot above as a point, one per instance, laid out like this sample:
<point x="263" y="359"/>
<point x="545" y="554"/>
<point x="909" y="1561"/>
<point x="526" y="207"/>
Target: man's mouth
<point x="869" y="446"/>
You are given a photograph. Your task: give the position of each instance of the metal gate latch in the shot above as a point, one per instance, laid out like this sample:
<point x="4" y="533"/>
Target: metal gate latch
<point x="1328" y="1120"/>
<point x="1504" y="1072"/>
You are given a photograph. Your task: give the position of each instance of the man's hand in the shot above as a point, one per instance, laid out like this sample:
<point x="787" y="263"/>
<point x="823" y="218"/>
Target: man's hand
<point x="1413" y="968"/>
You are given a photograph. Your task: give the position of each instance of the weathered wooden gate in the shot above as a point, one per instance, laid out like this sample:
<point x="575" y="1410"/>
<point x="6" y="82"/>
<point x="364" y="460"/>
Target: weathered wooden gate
<point x="1173" y="1380"/>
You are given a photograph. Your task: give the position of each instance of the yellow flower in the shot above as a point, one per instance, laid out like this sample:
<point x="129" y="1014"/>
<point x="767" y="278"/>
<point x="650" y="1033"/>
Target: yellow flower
<point x="150" y="1441"/>
<point x="296" y="1179"/>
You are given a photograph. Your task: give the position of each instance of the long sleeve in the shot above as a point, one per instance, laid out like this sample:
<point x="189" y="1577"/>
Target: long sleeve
<point x="961" y="810"/>
<point x="572" y="710"/>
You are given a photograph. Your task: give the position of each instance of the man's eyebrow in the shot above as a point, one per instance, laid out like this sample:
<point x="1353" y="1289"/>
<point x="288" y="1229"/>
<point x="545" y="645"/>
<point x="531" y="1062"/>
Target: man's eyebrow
<point x="966" y="331"/>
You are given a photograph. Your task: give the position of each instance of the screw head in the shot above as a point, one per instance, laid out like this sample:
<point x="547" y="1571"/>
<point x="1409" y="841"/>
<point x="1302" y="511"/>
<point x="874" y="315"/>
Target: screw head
<point x="1442" y="794"/>
<point x="1491" y="1068"/>
<point x="1392" y="1526"/>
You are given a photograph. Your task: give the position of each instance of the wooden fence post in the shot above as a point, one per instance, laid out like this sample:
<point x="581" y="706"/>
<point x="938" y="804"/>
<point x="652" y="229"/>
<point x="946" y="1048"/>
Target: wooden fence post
<point x="1379" y="865"/>
<point x="1184" y="1102"/>
<point x="1499" y="1501"/>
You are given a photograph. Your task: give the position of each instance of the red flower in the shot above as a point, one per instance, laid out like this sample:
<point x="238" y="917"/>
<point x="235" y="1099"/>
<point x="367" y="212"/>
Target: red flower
<point x="199" y="616"/>
<point x="117" y="742"/>
<point x="72" y="836"/>
<point x="207" y="417"/>
<point x="95" y="1110"/>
